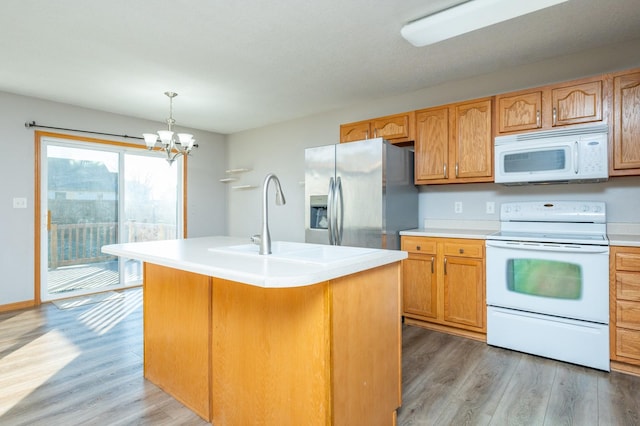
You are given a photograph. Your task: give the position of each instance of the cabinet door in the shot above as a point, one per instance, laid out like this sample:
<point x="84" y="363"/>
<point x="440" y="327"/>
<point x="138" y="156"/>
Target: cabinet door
<point x="581" y="103"/>
<point x="419" y="285"/>
<point x="473" y="142"/>
<point x="519" y="112"/>
<point x="626" y="126"/>
<point x="354" y="131"/>
<point x="464" y="300"/>
<point x="394" y="128"/>
<point x="432" y="144"/>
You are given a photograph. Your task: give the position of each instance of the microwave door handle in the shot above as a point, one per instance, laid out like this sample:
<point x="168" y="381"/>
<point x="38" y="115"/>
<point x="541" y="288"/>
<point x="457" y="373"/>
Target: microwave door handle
<point x="576" y="158"/>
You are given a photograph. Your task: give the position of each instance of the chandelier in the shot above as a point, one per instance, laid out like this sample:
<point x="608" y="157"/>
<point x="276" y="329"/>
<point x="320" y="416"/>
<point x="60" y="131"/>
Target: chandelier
<point x="174" y="145"/>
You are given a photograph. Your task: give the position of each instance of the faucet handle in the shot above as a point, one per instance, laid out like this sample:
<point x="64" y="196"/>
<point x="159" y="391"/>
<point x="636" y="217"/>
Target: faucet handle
<point x="255" y="239"/>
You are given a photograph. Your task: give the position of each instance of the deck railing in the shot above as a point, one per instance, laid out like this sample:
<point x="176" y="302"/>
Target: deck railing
<point x="81" y="243"/>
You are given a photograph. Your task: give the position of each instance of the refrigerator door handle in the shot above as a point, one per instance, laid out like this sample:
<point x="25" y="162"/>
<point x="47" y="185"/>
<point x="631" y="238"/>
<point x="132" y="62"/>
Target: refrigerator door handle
<point x="339" y="210"/>
<point x="330" y="213"/>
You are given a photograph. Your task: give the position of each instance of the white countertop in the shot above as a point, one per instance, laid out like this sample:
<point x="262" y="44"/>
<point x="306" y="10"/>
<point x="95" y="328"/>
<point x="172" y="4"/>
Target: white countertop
<point x="193" y="255"/>
<point x="624" y="234"/>
<point x="474" y="229"/>
<point x="479" y="234"/>
<point x="627" y="240"/>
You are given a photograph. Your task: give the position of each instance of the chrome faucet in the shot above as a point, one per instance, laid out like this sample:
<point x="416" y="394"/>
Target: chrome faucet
<point x="265" y="238"/>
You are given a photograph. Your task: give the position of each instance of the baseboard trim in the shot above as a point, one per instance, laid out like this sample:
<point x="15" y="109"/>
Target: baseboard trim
<point x="445" y="329"/>
<point x="17" y="305"/>
<point x="622" y="367"/>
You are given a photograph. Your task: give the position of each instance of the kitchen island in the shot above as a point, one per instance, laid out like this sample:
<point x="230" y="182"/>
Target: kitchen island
<point x="308" y="335"/>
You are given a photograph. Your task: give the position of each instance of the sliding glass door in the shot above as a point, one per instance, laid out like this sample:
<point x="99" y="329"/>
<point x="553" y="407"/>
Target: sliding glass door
<point x="96" y="194"/>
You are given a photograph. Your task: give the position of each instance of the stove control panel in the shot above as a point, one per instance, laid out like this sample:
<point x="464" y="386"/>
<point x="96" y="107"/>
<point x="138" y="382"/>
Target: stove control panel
<point x="554" y="211"/>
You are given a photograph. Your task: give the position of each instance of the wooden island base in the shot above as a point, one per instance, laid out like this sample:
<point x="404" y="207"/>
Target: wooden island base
<point x="237" y="354"/>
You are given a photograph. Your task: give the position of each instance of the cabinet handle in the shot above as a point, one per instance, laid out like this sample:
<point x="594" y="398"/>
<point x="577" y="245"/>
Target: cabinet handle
<point x="456" y="169"/>
<point x="418" y="248"/>
<point x="555" y="115"/>
<point x="444" y="170"/>
<point x="445" y="266"/>
<point x="366" y="135"/>
<point x="375" y="133"/>
<point x="538" y="118"/>
<point x="432" y="259"/>
<point x="461" y="251"/>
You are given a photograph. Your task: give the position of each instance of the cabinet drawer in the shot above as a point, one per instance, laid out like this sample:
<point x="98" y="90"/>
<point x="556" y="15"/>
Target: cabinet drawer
<point x="418" y="245"/>
<point x="628" y="343"/>
<point x="628" y="262"/>
<point x="628" y="286"/>
<point x="628" y="314"/>
<point x="464" y="249"/>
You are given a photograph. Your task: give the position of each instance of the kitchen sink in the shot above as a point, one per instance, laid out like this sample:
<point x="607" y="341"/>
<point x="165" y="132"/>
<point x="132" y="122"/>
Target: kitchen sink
<point x="298" y="252"/>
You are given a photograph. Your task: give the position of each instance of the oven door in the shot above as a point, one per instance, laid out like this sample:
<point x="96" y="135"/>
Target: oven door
<point x="570" y="281"/>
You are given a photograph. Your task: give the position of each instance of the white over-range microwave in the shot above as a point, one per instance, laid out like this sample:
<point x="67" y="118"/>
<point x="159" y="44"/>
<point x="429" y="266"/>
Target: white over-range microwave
<point x="555" y="156"/>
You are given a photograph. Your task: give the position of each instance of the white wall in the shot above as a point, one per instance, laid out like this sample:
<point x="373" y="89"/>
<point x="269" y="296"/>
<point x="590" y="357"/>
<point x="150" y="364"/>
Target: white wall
<point x="206" y="196"/>
<point x="280" y="149"/>
<point x="621" y="195"/>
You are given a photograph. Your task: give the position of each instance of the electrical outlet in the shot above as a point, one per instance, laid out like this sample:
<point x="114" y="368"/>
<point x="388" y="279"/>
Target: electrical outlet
<point x="457" y="207"/>
<point x="491" y="207"/>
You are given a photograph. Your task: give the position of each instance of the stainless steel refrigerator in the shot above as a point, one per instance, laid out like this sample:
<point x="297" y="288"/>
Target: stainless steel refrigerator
<point x="359" y="194"/>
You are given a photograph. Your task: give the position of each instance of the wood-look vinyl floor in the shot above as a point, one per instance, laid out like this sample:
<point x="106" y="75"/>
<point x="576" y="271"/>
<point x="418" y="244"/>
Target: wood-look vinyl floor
<point x="83" y="366"/>
<point x="450" y="380"/>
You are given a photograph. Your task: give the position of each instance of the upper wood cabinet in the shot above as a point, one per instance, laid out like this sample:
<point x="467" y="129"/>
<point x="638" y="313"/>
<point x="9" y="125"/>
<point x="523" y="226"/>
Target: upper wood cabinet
<point x="626" y="124"/>
<point x="577" y="103"/>
<point x="550" y="106"/>
<point x="519" y="112"/>
<point x="355" y="131"/>
<point x="454" y="143"/>
<point x="397" y="128"/>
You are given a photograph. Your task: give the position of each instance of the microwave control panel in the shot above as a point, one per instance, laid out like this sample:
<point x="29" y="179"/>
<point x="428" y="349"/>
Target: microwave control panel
<point x="590" y="156"/>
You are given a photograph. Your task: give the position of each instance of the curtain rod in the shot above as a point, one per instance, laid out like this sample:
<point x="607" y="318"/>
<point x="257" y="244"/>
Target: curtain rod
<point x="33" y="124"/>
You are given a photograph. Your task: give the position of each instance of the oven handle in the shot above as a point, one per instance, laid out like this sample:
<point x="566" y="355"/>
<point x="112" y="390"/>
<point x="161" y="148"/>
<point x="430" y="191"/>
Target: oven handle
<point x="563" y="248"/>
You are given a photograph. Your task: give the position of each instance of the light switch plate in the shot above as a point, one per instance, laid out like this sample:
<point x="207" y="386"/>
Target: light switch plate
<point x="19" y="203"/>
<point x="457" y="207"/>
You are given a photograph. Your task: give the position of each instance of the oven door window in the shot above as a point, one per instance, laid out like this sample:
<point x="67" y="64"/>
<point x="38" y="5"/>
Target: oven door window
<point x="545" y="278"/>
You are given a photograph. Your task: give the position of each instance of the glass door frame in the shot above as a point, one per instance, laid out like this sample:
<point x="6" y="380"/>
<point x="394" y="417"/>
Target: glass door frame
<point x="41" y="215"/>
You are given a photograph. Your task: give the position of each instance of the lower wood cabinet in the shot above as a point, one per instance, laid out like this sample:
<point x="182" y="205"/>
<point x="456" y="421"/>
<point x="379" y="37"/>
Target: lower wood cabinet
<point x="443" y="285"/>
<point x="625" y="308"/>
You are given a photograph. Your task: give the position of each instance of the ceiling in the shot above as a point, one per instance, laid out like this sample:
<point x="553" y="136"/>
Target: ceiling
<point x="244" y="64"/>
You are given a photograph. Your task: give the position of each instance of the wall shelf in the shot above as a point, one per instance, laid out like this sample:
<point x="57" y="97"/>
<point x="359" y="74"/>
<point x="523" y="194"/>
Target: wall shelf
<point x="228" y="179"/>
<point x="238" y="170"/>
<point x="244" y="187"/>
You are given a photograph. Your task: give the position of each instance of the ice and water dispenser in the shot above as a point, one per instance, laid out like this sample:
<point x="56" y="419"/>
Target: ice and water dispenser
<point x="318" y="216"/>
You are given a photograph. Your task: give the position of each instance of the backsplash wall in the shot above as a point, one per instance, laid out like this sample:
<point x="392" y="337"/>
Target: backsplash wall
<point x="621" y="195"/>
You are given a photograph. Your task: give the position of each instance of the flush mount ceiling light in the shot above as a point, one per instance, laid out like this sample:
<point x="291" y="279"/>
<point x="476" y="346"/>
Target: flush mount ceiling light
<point x="468" y="16"/>
<point x="174" y="145"/>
